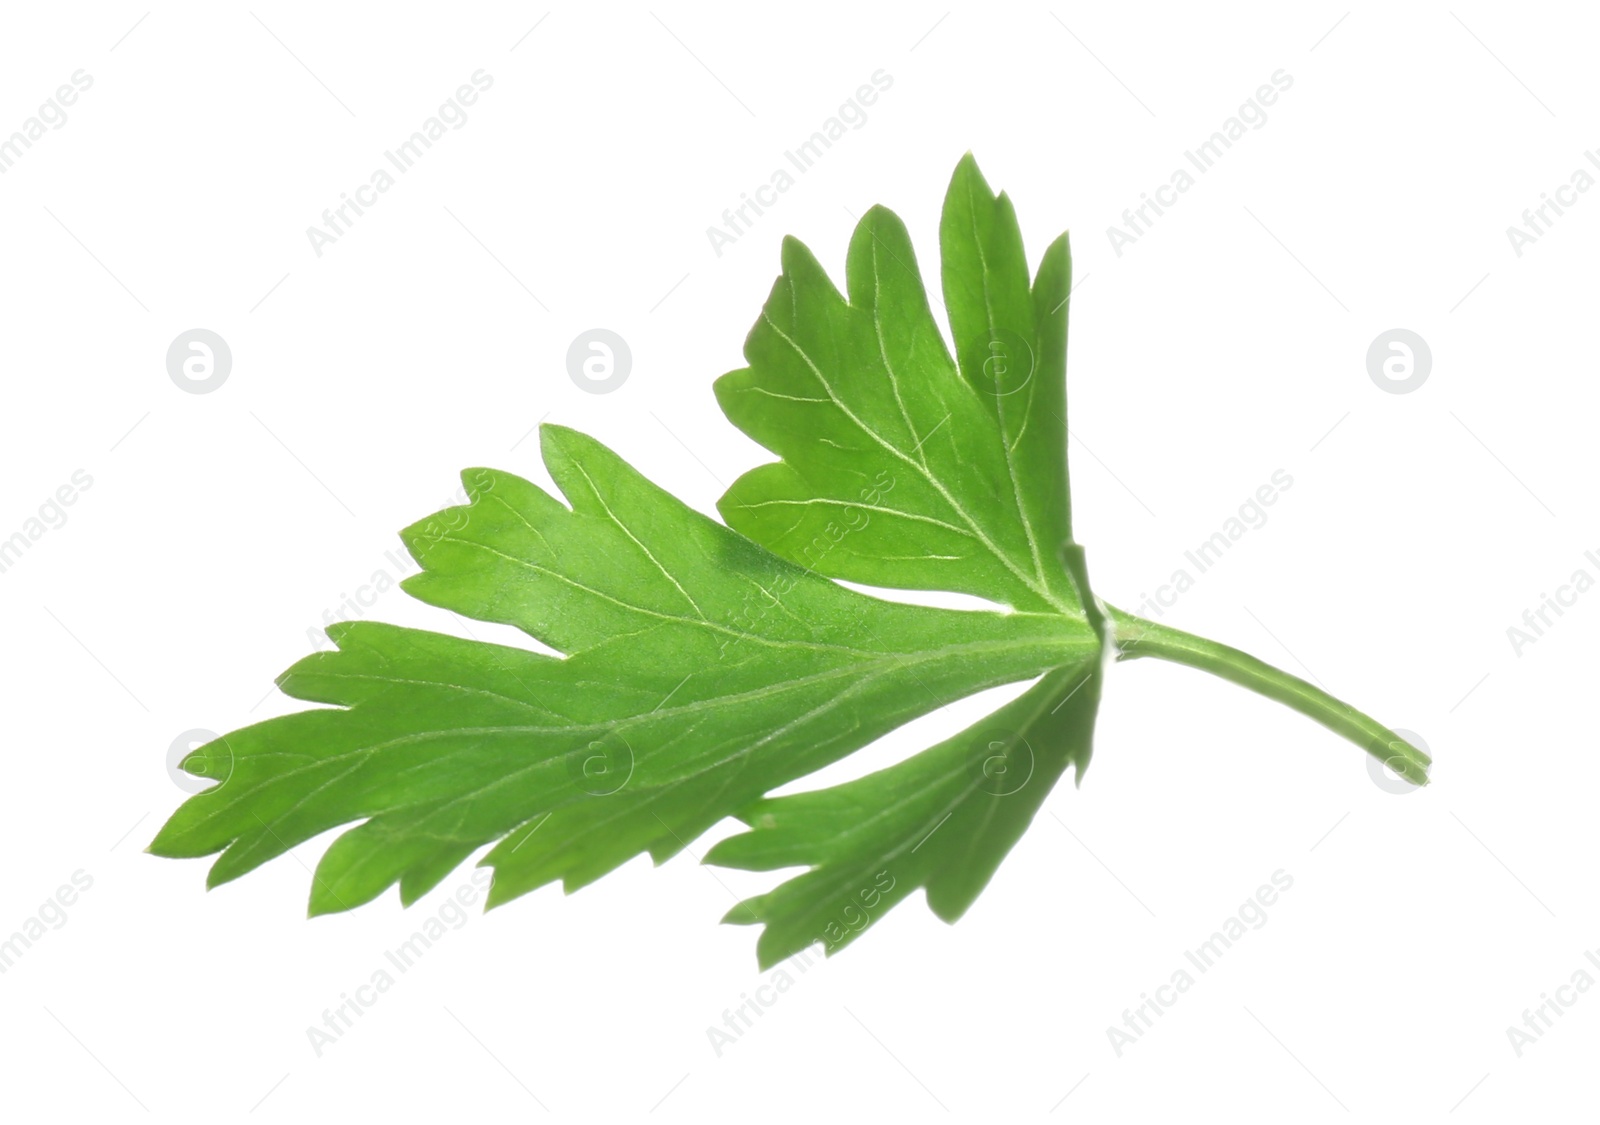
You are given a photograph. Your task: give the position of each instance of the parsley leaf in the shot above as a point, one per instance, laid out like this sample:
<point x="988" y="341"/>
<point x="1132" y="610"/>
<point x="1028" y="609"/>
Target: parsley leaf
<point x="961" y="463"/>
<point x="701" y="672"/>
<point x="703" y="665"/>
<point x="942" y="819"/>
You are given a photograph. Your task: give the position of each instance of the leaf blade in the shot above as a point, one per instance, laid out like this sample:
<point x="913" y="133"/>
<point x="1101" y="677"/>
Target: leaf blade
<point x="438" y="745"/>
<point x="941" y="820"/>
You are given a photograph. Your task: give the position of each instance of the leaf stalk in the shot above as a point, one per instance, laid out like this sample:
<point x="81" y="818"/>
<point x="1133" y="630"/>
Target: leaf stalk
<point x="1136" y="637"/>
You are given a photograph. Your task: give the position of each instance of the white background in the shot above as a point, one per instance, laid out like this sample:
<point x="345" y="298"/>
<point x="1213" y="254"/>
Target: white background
<point x="1225" y="344"/>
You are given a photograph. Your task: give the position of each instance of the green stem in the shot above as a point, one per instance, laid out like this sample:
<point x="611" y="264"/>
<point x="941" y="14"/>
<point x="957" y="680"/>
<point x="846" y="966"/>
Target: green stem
<point x="1137" y="637"/>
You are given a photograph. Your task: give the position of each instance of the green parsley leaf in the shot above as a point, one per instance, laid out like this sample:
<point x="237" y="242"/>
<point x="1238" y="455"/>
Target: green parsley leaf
<point x="701" y="672"/>
<point x="703" y="665"/>
<point x="961" y="463"/>
<point x="942" y="819"/>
